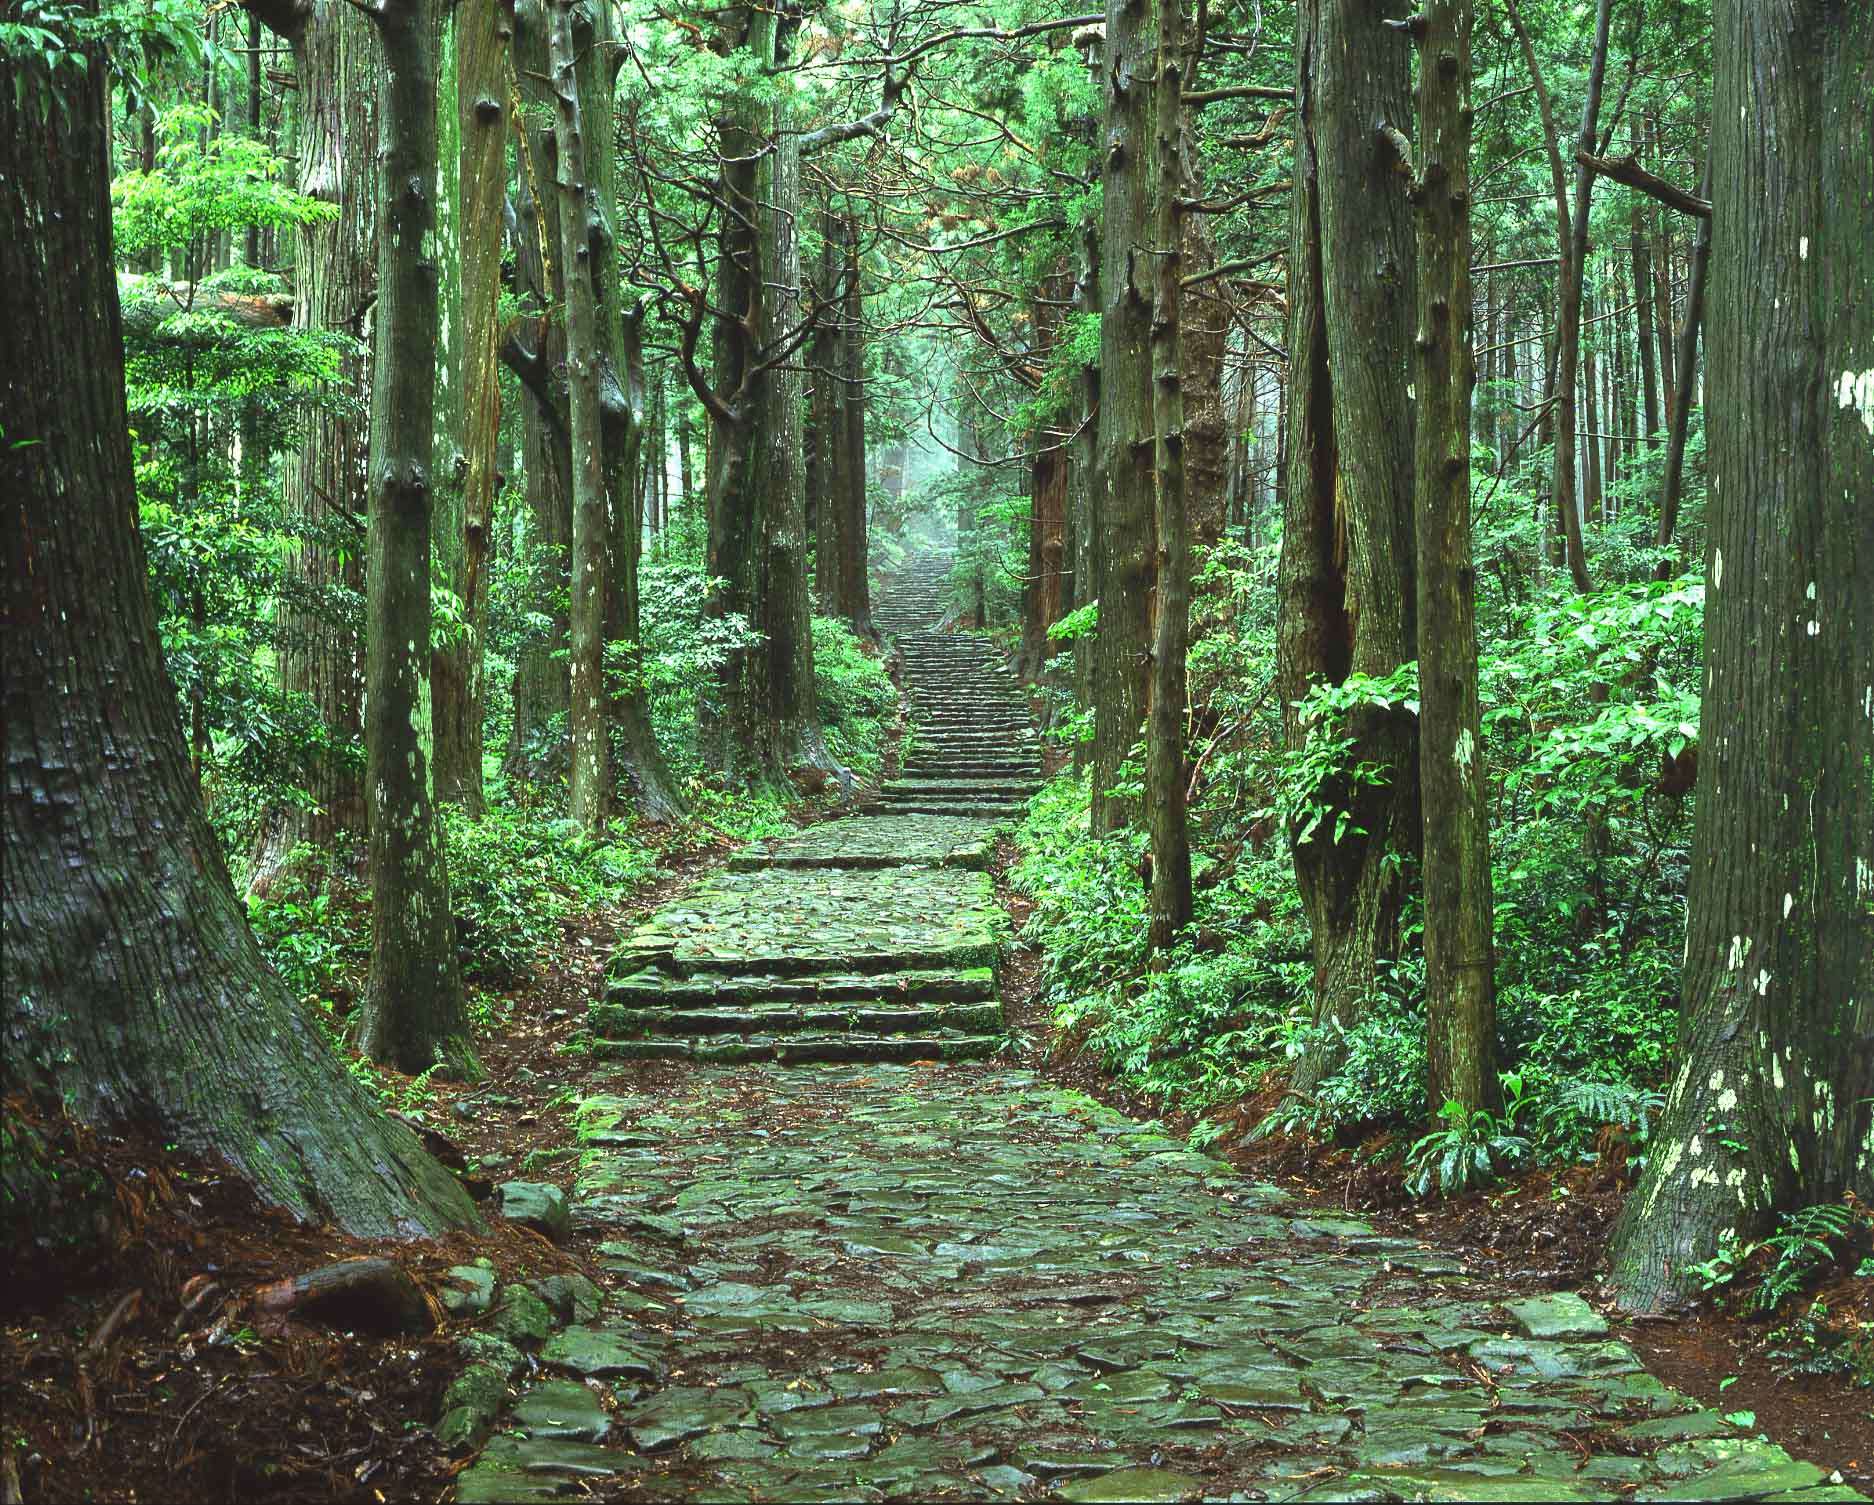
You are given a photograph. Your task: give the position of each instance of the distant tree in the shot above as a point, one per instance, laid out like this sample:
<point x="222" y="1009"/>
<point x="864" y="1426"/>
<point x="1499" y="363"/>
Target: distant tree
<point x="135" y="992"/>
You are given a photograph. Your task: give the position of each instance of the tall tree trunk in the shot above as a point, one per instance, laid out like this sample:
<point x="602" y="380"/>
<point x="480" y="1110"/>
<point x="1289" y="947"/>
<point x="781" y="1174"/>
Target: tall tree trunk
<point x="1771" y="1109"/>
<point x="1459" y="996"/>
<point x="853" y="586"/>
<point x="1643" y="316"/>
<point x="1164" y="739"/>
<point x="455" y="767"/>
<point x="769" y="723"/>
<point x="1204" y="323"/>
<point x="536" y="349"/>
<point x="589" y="780"/>
<point x="1047" y="489"/>
<point x="135" y="991"/>
<point x="637" y="760"/>
<point x="1086" y="486"/>
<point x="1122" y="641"/>
<point x="484" y="29"/>
<point x="1685" y="361"/>
<point x="414" y="1012"/>
<point x="1347" y="575"/>
<point x="337" y="61"/>
<point x="1591" y="493"/>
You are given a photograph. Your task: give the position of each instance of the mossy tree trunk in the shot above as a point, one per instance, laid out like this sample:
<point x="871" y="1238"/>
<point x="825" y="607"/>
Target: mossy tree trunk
<point x="589" y="778"/>
<point x="1460" y="1000"/>
<point x="484" y="29"/>
<point x="135" y="993"/>
<point x="767" y="725"/>
<point x="1122" y="640"/>
<point x="1171" y="621"/>
<point x="414" y="1012"/>
<point x="1771" y="1109"/>
<point x="1346" y="577"/>
<point x="337" y="59"/>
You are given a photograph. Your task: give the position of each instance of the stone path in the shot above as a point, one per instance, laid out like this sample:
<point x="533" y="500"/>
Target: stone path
<point x="947" y="1278"/>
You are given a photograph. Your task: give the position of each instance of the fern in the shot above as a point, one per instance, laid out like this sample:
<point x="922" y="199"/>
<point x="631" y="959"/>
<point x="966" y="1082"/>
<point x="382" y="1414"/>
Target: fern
<point x="1619" y="1103"/>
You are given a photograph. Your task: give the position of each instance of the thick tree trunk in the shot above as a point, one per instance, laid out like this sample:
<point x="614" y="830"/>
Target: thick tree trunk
<point x="414" y="1013"/>
<point x="1122" y="641"/>
<point x="472" y="163"/>
<point x="1771" y="1109"/>
<point x="1460" y="1001"/>
<point x="1047" y="491"/>
<point x="135" y="991"/>
<point x="1171" y="622"/>
<point x="768" y="725"/>
<point x="1347" y="576"/>
<point x="337" y="60"/>
<point x="455" y="767"/>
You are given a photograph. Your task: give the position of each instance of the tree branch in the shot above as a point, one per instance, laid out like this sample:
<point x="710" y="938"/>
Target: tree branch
<point x="1627" y="170"/>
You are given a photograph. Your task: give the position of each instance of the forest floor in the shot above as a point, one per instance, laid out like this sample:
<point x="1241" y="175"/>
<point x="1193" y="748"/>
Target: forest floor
<point x="1031" y="1160"/>
<point x="875" y="1280"/>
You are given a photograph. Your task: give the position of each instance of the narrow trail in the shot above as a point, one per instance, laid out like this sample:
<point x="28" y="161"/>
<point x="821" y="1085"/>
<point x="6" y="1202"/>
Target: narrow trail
<point x="847" y="1259"/>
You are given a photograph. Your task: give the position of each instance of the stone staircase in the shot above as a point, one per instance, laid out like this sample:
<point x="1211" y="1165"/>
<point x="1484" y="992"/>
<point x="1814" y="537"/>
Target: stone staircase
<point x="970" y="748"/>
<point x="872" y="938"/>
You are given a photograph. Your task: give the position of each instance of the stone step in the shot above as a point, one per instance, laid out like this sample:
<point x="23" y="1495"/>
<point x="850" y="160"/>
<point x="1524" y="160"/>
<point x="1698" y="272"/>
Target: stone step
<point x="997" y="812"/>
<point x="793" y="921"/>
<point x="947" y="1045"/>
<point x="855" y="842"/>
<point x="971" y="768"/>
<point x="651" y="987"/>
<point x="619" y="1022"/>
<point x="964" y="787"/>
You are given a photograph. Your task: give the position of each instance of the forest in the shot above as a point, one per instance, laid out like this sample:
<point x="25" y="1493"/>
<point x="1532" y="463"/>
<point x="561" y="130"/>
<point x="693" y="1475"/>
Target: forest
<point x="898" y="749"/>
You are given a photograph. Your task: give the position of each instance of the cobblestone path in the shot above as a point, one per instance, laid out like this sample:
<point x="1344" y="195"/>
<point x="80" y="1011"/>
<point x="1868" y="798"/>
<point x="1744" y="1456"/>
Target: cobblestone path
<point x="843" y="1262"/>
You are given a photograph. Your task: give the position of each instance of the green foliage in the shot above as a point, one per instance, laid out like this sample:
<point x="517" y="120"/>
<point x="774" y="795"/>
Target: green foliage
<point x="1469" y="1150"/>
<point x="1785" y="1261"/>
<point x="857" y="698"/>
<point x="134" y="37"/>
<point x="514" y="882"/>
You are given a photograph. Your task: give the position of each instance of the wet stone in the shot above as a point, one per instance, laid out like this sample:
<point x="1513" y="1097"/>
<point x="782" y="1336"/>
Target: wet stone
<point x="562" y="1408"/>
<point x="1147" y="1485"/>
<point x="1563" y="1315"/>
<point x="468" y="1290"/>
<point x="597" y="1352"/>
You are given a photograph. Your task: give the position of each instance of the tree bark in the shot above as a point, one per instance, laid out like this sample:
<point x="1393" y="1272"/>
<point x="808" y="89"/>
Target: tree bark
<point x="1347" y="588"/>
<point x="1771" y="1110"/>
<point x="472" y="101"/>
<point x="414" y="1012"/>
<point x="1571" y="239"/>
<point x="589" y="778"/>
<point x="1459" y="995"/>
<point x="337" y="61"/>
<point x="768" y="725"/>
<point x="1122" y="639"/>
<point x="1171" y="624"/>
<point x="637" y="761"/>
<point x="135" y="992"/>
<point x="1685" y="361"/>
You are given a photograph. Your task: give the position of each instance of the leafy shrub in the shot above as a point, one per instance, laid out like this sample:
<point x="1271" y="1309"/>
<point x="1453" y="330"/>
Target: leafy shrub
<point x="513" y="881"/>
